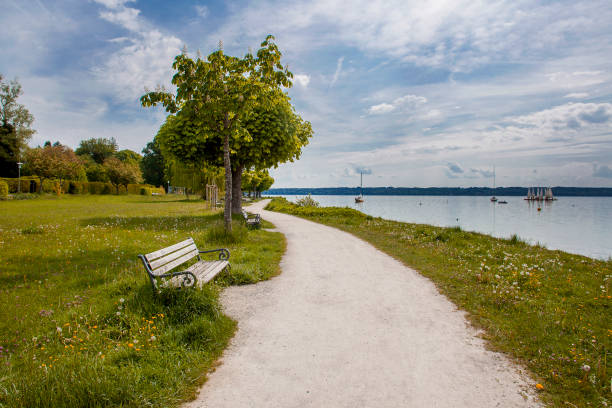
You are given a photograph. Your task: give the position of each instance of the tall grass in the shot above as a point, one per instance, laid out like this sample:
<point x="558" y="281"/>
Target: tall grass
<point x="550" y="310"/>
<point x="79" y="323"/>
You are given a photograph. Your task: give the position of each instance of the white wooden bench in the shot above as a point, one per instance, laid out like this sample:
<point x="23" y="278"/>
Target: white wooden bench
<point x="159" y="265"/>
<point x="251" y="220"/>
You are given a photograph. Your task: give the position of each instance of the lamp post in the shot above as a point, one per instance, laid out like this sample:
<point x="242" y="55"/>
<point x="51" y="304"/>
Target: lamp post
<point x="19" y="164"/>
<point x="168" y="186"/>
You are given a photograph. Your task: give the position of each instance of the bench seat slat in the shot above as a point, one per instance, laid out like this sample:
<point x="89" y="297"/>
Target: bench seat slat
<point x="202" y="266"/>
<point x="171" y="257"/>
<point x="172" y="248"/>
<point x="212" y="272"/>
<point x="204" y="271"/>
<point x="175" y="263"/>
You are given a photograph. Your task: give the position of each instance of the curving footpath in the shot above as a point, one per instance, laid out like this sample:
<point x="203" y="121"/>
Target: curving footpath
<point x="346" y="325"/>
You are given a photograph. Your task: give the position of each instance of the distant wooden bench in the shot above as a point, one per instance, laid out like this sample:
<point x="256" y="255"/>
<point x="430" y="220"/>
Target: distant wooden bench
<point x="159" y="265"/>
<point x="251" y="220"/>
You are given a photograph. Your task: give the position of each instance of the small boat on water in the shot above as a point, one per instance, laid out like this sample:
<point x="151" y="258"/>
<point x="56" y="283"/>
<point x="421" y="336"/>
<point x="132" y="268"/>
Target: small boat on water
<point x="540" y="194"/>
<point x="502" y="202"/>
<point x="493" y="199"/>
<point x="359" y="198"/>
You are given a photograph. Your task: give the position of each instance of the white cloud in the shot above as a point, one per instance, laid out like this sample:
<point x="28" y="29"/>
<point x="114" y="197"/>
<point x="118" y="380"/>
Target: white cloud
<point x="124" y="16"/>
<point x="571" y="116"/>
<point x="302" y="79"/>
<point x="338" y="71"/>
<point x="602" y="171"/>
<point x="381" y="108"/>
<point x="411" y="101"/>
<point x="146" y="59"/>
<point x="577" y="95"/>
<point x="457" y="35"/>
<point x="201" y="11"/>
<point x="113" y="4"/>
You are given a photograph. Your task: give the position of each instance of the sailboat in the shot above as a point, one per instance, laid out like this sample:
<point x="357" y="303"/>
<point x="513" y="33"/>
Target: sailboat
<point x="493" y="199"/>
<point x="359" y="198"/>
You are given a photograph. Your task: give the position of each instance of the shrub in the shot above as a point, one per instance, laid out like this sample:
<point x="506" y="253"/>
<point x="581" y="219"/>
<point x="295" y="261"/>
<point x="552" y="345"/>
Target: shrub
<point x="137" y="189"/>
<point x="217" y="234"/>
<point x="133" y="188"/>
<point x="75" y="187"/>
<point x="3" y="190"/>
<point x="95" y="187"/>
<point x="146" y="191"/>
<point x="307" y="201"/>
<point x="107" y="188"/>
<point x="121" y="189"/>
<point x="13" y="184"/>
<point x="48" y="186"/>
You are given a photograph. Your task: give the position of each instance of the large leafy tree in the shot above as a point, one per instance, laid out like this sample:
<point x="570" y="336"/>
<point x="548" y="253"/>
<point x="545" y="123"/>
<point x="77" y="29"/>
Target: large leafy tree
<point x="153" y="164"/>
<point x="257" y="181"/>
<point x="129" y="156"/>
<point x="272" y="133"/>
<point x="97" y="149"/>
<point x="54" y="161"/>
<point x="122" y="172"/>
<point x="217" y="93"/>
<point x="15" y="130"/>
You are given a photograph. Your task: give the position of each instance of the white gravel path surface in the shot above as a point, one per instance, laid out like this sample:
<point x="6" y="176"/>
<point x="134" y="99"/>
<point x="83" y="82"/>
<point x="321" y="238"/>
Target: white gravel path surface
<point x="346" y="325"/>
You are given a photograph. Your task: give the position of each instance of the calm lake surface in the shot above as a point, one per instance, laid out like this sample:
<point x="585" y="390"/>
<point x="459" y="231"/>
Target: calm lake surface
<point x="580" y="225"/>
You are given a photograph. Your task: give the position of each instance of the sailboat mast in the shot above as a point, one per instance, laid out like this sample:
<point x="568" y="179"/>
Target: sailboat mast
<point x="361" y="186"/>
<point x="493" y="179"/>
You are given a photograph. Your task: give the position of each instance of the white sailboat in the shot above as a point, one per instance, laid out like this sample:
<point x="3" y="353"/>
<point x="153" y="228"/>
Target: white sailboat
<point x="493" y="199"/>
<point x="359" y="198"/>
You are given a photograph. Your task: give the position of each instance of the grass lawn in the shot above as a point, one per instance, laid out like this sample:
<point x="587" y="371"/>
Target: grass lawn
<point x="79" y="323"/>
<point x="549" y="310"/>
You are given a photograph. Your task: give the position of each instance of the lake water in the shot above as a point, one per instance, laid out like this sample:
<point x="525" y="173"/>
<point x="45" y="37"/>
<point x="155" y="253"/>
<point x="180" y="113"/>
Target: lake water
<point x="581" y="225"/>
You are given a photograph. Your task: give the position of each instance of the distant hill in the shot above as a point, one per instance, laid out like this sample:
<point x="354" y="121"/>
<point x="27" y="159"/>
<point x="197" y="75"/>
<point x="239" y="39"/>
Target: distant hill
<point x="443" y="191"/>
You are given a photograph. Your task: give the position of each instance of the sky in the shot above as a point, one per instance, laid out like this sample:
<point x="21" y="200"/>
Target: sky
<point x="411" y="93"/>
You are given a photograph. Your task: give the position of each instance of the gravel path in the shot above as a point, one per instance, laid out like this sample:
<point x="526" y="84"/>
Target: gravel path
<point x="346" y="325"/>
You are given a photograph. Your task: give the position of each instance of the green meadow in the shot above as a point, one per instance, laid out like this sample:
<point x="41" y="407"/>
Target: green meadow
<point x="79" y="323"/>
<point x="548" y="310"/>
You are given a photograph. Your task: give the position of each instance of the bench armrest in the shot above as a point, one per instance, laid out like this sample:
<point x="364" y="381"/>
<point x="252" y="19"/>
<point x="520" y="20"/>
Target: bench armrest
<point x="189" y="279"/>
<point x="224" y="253"/>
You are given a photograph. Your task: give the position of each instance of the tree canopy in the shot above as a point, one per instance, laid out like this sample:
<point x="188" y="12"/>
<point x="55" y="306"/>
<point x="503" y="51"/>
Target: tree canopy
<point x="214" y="95"/>
<point x="122" y="172"/>
<point x="15" y="130"/>
<point x="153" y="164"/>
<point x="98" y="149"/>
<point x="54" y="161"/>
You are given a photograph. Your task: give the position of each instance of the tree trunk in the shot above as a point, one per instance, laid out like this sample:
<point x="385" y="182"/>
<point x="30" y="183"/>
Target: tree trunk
<point x="237" y="190"/>
<point x="227" y="214"/>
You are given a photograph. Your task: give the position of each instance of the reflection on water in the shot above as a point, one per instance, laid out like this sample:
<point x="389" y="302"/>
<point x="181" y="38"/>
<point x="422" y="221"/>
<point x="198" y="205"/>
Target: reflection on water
<point x="574" y="224"/>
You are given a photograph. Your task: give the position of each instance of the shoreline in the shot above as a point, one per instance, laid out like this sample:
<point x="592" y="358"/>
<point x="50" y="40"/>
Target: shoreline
<point x="570" y="225"/>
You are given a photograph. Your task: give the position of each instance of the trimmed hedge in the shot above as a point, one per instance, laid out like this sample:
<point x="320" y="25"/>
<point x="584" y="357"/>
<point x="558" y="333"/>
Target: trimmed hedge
<point x="13" y="184"/>
<point x="78" y="187"/>
<point x="138" y="189"/>
<point x="4" y="189"/>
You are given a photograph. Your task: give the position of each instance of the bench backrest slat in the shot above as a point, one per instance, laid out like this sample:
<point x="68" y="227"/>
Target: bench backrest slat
<point x="171" y="257"/>
<point x="158" y="254"/>
<point x="176" y="262"/>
